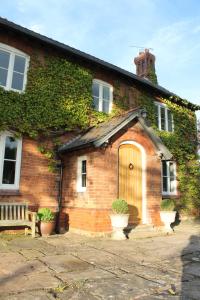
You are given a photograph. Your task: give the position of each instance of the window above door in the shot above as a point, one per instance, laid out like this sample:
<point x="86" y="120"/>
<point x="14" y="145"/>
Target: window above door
<point x="102" y="93"/>
<point x="13" y="68"/>
<point x="164" y="117"/>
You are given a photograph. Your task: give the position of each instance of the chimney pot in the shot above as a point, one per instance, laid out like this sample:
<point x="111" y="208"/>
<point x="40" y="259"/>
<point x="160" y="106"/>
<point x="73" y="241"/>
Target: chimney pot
<point x="145" y="64"/>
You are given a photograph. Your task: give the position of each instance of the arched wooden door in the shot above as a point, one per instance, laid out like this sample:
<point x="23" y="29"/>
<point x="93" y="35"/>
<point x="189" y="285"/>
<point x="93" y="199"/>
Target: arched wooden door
<point x="130" y="180"/>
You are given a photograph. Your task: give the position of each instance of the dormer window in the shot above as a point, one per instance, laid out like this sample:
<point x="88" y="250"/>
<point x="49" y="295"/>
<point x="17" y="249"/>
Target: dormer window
<point x="164" y="117"/>
<point x="13" y="68"/>
<point x="102" y="93"/>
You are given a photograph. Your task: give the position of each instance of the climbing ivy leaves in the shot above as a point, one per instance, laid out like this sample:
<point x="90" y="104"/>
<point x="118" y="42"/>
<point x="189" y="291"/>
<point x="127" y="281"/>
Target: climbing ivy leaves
<point x="58" y="95"/>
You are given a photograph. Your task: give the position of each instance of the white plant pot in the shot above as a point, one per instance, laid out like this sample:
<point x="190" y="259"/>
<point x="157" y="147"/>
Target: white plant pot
<point x="167" y="217"/>
<point x="119" y="222"/>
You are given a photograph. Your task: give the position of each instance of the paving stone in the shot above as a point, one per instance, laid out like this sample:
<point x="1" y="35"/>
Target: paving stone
<point x="121" y="288"/>
<point x="35" y="295"/>
<point x="97" y="268"/>
<point x="193" y="268"/>
<point x="31" y="253"/>
<point x="29" y="282"/>
<point x="91" y="273"/>
<point x="65" y="263"/>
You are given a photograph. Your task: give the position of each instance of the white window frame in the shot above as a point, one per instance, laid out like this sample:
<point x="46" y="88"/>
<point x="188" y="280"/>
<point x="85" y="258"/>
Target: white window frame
<point x="158" y="107"/>
<point x="14" y="186"/>
<point x="165" y="193"/>
<point x="101" y="85"/>
<point x="79" y="186"/>
<point x="14" y="52"/>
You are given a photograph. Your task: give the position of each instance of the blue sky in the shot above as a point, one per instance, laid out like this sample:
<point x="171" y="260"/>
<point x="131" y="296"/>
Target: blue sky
<point x="108" y="28"/>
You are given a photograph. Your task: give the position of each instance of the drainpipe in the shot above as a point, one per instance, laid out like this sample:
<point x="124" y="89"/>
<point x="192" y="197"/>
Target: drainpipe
<point x="60" y="167"/>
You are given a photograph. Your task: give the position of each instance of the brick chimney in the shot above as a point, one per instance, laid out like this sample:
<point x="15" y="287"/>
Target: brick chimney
<point x="145" y="65"/>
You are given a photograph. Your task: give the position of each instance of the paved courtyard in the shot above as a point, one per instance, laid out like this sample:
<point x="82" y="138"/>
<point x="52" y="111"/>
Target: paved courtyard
<point x="75" y="267"/>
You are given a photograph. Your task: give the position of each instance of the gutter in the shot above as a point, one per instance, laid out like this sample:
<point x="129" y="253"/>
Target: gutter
<point x="60" y="168"/>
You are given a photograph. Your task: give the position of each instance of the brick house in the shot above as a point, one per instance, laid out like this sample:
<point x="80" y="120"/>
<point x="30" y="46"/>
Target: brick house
<point x="122" y="157"/>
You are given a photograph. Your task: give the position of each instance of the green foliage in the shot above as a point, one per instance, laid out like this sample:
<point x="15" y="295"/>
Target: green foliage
<point x="152" y="74"/>
<point x="182" y="143"/>
<point x="45" y="215"/>
<point x="167" y="205"/>
<point x="58" y="95"/>
<point x="120" y="206"/>
<point x="147" y="102"/>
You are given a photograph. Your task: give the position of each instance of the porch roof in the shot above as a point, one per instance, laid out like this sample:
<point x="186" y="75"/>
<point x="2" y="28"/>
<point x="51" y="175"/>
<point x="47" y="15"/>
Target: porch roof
<point x="100" y="135"/>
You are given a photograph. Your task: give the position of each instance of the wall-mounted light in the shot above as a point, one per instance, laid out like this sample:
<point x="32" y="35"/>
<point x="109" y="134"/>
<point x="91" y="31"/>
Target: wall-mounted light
<point x="143" y="113"/>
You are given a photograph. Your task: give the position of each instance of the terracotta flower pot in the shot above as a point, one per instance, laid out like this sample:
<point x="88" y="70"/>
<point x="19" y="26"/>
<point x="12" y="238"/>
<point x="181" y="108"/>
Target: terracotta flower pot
<point x="46" y="228"/>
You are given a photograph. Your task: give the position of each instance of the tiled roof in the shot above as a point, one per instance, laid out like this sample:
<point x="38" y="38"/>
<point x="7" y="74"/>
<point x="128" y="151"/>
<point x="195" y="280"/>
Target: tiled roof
<point x="77" y="53"/>
<point x="97" y="136"/>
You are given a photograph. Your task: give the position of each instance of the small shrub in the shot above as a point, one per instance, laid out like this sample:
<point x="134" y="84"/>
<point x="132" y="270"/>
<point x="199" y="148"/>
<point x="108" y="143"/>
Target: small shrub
<point x="120" y="206"/>
<point x="45" y="215"/>
<point x="167" y="205"/>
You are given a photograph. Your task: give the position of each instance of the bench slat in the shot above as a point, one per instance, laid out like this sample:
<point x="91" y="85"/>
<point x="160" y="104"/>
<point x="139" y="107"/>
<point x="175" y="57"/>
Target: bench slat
<point x="16" y="214"/>
<point x="6" y="214"/>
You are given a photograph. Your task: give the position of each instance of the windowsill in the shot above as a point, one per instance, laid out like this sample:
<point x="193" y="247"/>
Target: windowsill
<point x="164" y="196"/>
<point x="7" y="192"/>
<point x="81" y="190"/>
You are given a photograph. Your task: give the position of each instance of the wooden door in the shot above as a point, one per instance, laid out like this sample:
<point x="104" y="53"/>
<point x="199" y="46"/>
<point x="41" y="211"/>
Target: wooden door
<point x="130" y="180"/>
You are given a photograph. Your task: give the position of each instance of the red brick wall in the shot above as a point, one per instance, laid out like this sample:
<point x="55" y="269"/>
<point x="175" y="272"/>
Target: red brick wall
<point x="38" y="185"/>
<point x="90" y="210"/>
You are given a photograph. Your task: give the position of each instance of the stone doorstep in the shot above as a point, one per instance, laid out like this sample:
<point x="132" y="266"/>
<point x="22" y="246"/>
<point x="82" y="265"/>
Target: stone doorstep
<point x="145" y="231"/>
<point x="140" y="231"/>
<point x="89" y="233"/>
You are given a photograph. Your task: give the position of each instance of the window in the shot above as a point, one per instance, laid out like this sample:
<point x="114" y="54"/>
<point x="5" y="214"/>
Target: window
<point x="82" y="174"/>
<point x="168" y="178"/>
<point x="13" y="68"/>
<point x="164" y="117"/>
<point x="10" y="161"/>
<point x="102" y="96"/>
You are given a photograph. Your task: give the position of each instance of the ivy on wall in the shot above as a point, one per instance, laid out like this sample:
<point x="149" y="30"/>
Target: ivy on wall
<point x="183" y="145"/>
<point x="58" y="95"/>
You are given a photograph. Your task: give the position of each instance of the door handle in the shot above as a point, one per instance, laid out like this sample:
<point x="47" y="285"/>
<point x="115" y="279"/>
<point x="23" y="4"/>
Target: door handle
<point x="131" y="166"/>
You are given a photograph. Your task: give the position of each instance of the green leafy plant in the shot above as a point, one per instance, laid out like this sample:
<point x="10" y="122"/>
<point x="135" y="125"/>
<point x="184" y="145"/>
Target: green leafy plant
<point x="120" y="206"/>
<point x="45" y="215"/>
<point x="167" y="205"/>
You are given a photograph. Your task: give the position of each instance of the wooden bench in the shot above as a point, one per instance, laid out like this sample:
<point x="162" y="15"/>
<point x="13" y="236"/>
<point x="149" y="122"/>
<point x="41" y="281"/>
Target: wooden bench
<point x="17" y="214"/>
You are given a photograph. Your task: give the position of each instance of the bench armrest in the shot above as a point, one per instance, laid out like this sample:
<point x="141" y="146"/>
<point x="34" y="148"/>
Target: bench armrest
<point x="32" y="214"/>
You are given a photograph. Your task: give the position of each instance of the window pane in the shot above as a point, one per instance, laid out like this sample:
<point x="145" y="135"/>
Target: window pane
<point x="171" y="169"/>
<point x="10" y="148"/>
<point x="172" y="185"/>
<point x="156" y="115"/>
<point x="3" y="76"/>
<point x="170" y="120"/>
<point x="95" y="89"/>
<point x="83" y="180"/>
<point x="83" y="166"/>
<point x="19" y="65"/>
<point x="162" y="115"/>
<point x="96" y="103"/>
<point x="165" y="184"/>
<point x="17" y="81"/>
<point x="106" y="105"/>
<point x="8" y="172"/>
<point x="4" y="59"/>
<point x="164" y="168"/>
<point x="106" y="93"/>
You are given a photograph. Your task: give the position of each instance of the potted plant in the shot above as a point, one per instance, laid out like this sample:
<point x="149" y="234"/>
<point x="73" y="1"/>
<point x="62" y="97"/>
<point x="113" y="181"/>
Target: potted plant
<point x="47" y="221"/>
<point x="167" y="213"/>
<point x="119" y="218"/>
